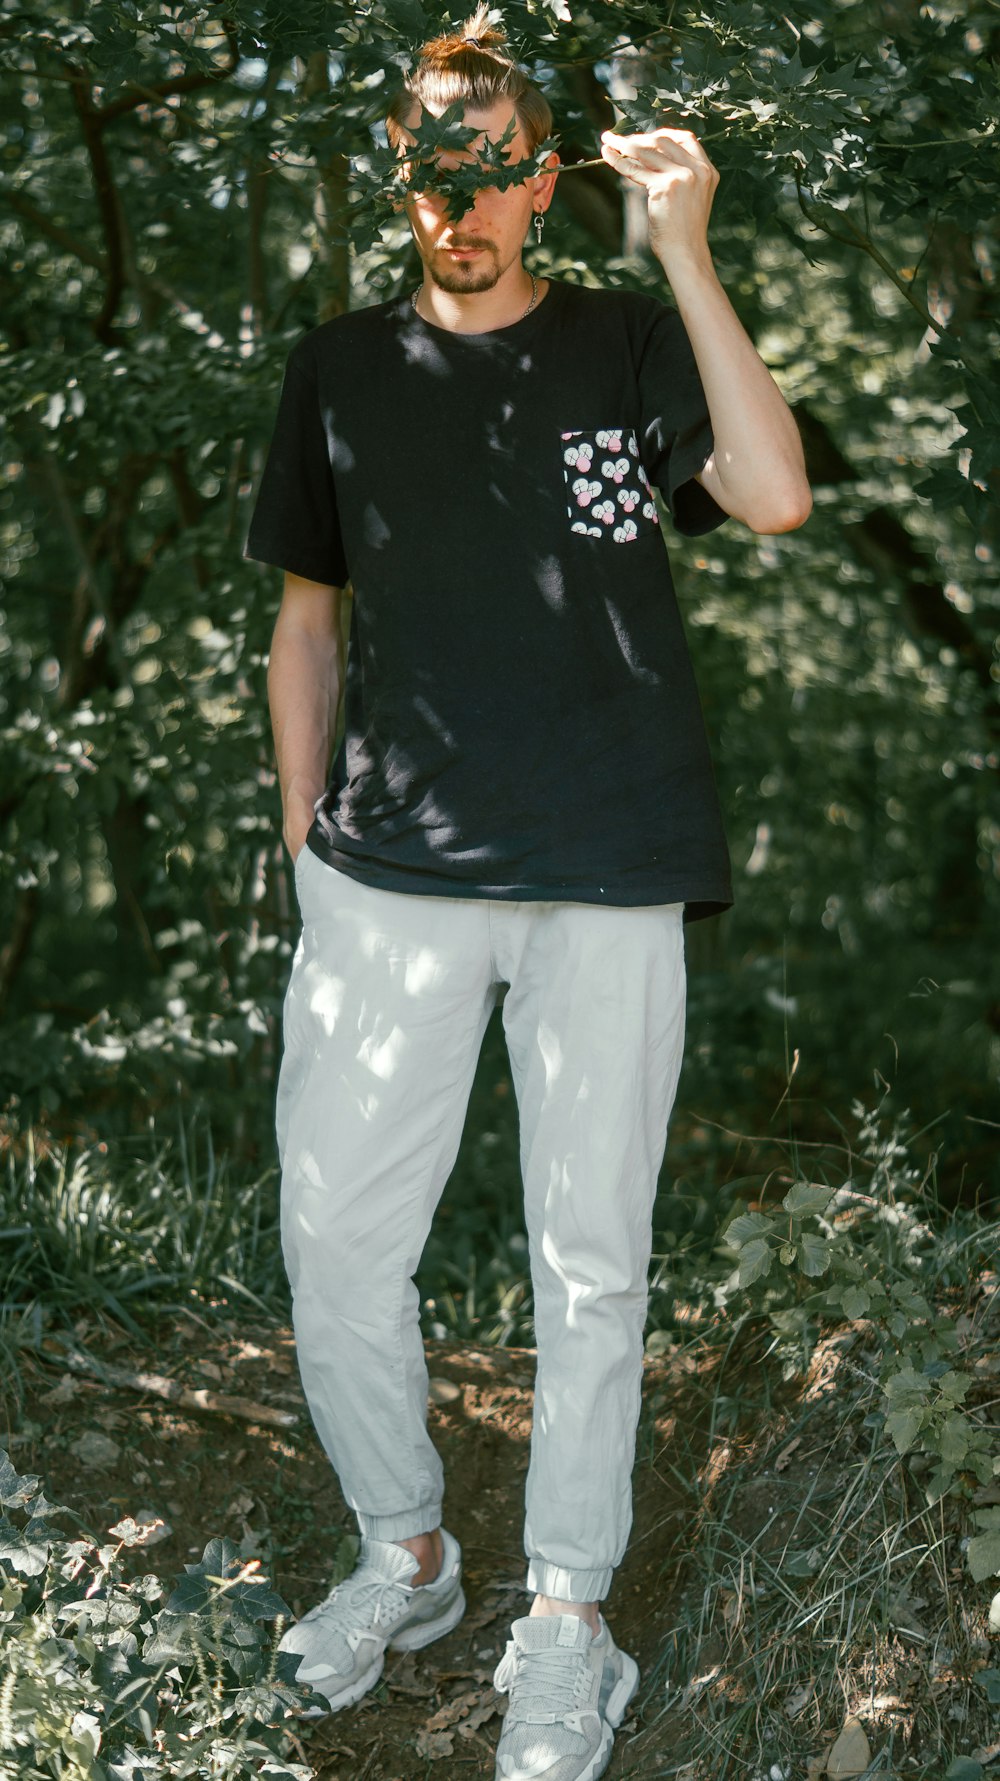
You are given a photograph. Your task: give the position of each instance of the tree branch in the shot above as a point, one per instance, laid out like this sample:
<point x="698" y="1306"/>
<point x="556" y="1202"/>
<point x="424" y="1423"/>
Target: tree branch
<point x="109" y="208"/>
<point x="54" y="232"/>
<point x="136" y="94"/>
<point x="883" y="544"/>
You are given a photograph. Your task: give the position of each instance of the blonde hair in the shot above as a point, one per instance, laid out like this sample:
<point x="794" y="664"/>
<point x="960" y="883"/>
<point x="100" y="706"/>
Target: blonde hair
<point x="473" y="66"/>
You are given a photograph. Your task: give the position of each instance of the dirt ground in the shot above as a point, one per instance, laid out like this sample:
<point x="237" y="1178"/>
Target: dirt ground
<point x="213" y="1474"/>
<point x="111" y="1452"/>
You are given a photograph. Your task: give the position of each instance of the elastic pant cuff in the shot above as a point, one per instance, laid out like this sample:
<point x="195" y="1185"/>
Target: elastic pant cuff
<point x="408" y="1524"/>
<point x="568" y="1586"/>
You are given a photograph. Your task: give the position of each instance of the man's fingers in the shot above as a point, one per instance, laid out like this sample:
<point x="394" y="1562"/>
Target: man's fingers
<point x="663" y="134"/>
<point x="680" y="146"/>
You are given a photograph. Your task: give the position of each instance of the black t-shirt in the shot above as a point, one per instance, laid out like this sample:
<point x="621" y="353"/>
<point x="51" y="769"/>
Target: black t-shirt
<point x="522" y="719"/>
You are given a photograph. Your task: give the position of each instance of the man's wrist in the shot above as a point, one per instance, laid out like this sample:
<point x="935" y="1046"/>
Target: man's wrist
<point x="686" y="265"/>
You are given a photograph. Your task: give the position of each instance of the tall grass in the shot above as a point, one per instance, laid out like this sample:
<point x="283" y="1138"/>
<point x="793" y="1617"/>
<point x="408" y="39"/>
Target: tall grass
<point x="144" y="1224"/>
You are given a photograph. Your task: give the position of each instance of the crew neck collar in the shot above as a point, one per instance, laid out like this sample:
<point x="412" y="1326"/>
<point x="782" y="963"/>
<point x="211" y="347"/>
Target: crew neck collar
<point x="518" y="329"/>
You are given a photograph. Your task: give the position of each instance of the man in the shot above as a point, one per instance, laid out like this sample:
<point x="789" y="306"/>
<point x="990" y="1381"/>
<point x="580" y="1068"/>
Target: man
<point x="524" y="799"/>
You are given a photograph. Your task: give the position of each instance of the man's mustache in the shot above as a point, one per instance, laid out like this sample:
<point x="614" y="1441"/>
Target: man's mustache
<point x="466" y="241"/>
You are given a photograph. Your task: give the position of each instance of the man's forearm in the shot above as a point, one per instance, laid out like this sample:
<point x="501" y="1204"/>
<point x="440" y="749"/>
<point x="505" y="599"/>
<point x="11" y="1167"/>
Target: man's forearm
<point x="758" y="452"/>
<point x="303" y="688"/>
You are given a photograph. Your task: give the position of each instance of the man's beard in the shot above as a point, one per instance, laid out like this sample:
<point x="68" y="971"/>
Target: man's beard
<point x="461" y="277"/>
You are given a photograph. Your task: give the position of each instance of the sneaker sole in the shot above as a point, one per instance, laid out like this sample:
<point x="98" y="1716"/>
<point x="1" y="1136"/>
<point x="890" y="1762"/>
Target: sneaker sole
<point x="413" y="1640"/>
<point x="416" y="1637"/>
<point x="622" y="1692"/>
<point x="353" y="1692"/>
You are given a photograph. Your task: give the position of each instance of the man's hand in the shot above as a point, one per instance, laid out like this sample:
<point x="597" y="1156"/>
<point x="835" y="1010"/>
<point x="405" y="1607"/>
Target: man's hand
<point x="679" y="181"/>
<point x="756" y="471"/>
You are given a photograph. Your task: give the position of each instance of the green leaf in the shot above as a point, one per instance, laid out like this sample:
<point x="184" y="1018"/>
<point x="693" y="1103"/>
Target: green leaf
<point x="755" y="1261"/>
<point x="814" y="1254"/>
<point x="855" y="1302"/>
<point x="964" y="1768"/>
<point x="955" y="1386"/>
<point x="747" y="1226"/>
<point x="953" y="1440"/>
<point x="904" y="1426"/>
<point x="15" y="1491"/>
<point x="21" y="1554"/>
<point x="807" y="1196"/>
<point x="907" y="1384"/>
<point x="989" y="1682"/>
<point x="984" y="1555"/>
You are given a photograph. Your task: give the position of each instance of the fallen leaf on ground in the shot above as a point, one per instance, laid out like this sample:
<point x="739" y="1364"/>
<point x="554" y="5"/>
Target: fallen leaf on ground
<point x="786" y="1453"/>
<point x="402" y="1678"/>
<point x="799" y="1698"/>
<point x="63" y="1393"/>
<point x="93" y="1449"/>
<point x="906" y="1620"/>
<point x="850" y="1753"/>
<point x="433" y="1745"/>
<point x="451" y="1712"/>
<point x="489" y="1704"/>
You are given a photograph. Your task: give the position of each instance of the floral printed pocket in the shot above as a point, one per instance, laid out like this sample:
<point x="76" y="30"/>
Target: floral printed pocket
<point x="607" y="494"/>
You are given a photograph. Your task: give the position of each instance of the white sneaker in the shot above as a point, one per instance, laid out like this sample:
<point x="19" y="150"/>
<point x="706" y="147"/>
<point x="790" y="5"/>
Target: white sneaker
<point x="342" y="1642"/>
<point x="568" y="1694"/>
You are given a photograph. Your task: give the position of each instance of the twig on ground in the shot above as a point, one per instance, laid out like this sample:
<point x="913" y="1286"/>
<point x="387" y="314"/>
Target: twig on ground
<point x="188" y="1397"/>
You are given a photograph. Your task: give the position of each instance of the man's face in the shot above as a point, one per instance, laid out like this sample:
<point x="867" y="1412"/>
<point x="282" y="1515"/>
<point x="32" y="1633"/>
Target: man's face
<point x="471" y="252"/>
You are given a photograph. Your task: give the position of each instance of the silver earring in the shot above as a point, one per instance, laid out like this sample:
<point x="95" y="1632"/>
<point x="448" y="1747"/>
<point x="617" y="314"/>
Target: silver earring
<point x="539" y="226"/>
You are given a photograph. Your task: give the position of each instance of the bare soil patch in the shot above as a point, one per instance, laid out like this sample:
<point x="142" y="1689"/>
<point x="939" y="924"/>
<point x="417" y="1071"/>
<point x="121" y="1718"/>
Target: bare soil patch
<point x="710" y="1451"/>
<point x="210" y="1474"/>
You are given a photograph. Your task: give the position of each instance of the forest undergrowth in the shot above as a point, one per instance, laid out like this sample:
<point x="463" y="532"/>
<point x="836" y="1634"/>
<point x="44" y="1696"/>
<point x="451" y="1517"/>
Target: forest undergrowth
<point x="818" y="1483"/>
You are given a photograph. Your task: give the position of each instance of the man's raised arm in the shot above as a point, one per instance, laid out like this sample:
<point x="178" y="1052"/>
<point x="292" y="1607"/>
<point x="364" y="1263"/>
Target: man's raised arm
<point x="757" y="471"/>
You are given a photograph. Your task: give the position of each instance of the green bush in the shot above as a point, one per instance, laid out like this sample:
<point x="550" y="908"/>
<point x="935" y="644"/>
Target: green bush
<point x="864" y="1249"/>
<point x="110" y="1677"/>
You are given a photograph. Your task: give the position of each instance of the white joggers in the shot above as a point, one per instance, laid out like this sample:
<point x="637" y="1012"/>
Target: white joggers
<point x="385" y="1013"/>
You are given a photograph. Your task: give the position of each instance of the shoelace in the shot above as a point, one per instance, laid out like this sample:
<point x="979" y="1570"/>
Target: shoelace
<point x="353" y="1599"/>
<point x="543" y="1684"/>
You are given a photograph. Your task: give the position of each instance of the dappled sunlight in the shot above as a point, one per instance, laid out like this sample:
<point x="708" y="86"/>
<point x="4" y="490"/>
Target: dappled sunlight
<point x="382" y="1055"/>
<point x="550" y="1046"/>
<point x="324" y="995"/>
<point x="420" y="971"/>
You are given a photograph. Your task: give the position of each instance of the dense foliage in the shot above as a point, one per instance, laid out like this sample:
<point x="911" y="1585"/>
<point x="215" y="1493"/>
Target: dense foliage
<point x="181" y="195"/>
<point x="109" y="1676"/>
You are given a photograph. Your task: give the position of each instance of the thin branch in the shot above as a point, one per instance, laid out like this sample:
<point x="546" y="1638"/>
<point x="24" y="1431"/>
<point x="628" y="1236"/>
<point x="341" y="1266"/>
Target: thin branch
<point x="109" y="207"/>
<point x="135" y="95"/>
<point x="89" y="256"/>
<point x="53" y="231"/>
<point x="188" y="1397"/>
<point x="90" y="583"/>
<point x="855" y="237"/>
<point x="258" y="191"/>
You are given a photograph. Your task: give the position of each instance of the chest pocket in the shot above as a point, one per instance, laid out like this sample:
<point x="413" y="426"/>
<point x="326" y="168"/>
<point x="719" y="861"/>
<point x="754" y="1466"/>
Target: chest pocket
<point x="607" y="494"/>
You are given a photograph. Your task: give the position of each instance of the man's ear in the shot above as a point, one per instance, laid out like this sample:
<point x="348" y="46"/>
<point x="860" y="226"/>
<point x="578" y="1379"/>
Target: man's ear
<point x="545" y="182"/>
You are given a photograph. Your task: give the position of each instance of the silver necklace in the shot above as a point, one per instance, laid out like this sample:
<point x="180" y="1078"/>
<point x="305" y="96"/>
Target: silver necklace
<point x="534" y="299"/>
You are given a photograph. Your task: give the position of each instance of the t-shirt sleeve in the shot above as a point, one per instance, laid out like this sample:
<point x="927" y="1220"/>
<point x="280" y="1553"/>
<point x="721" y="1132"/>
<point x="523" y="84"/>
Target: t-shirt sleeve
<point x="677" y="436"/>
<point x="295" y="523"/>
